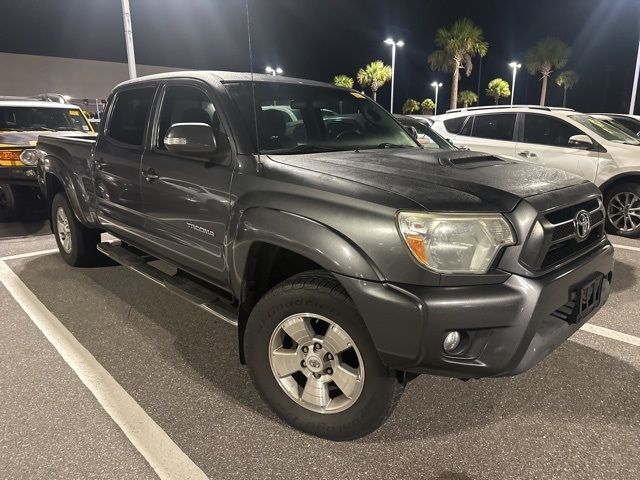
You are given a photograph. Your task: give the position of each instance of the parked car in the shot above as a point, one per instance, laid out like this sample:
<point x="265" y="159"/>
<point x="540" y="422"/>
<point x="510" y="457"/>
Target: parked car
<point x="559" y="138"/>
<point x="629" y="126"/>
<point x="421" y="130"/>
<point x="350" y="259"/>
<point x="21" y="121"/>
<point x="631" y="122"/>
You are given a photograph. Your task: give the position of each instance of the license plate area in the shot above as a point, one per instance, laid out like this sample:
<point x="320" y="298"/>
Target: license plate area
<point x="587" y="297"/>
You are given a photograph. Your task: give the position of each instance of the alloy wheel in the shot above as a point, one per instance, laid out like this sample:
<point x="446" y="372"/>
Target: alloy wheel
<point x="624" y="211"/>
<point x="316" y="363"/>
<point x="64" y="230"/>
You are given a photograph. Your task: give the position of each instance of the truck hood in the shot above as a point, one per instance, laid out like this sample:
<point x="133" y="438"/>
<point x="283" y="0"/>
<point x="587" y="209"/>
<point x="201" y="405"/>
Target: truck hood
<point x="440" y="180"/>
<point x="9" y="138"/>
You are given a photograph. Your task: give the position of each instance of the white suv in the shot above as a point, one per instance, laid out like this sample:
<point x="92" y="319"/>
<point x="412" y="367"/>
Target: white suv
<point x="559" y="138"/>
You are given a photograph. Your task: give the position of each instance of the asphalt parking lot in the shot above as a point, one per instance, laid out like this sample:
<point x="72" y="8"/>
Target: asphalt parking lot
<point x="172" y="394"/>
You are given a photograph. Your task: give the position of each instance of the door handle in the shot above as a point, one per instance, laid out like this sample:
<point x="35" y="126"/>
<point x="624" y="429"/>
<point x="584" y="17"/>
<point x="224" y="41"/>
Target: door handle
<point x="527" y="154"/>
<point x="150" y="175"/>
<point x="99" y="164"/>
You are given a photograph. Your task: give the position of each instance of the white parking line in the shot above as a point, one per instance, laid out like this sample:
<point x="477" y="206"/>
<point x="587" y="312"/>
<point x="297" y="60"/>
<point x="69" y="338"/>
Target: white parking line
<point x="625" y="247"/>
<point x="607" y="332"/>
<point x="29" y="254"/>
<point x="164" y="456"/>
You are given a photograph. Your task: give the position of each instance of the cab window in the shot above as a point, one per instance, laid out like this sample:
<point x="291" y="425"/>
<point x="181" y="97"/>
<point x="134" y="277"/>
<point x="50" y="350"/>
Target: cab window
<point x="494" y="127"/>
<point x="546" y="130"/>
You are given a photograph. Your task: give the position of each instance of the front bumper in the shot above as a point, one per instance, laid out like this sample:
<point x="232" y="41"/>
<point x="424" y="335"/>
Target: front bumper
<point x="19" y="175"/>
<point x="508" y="327"/>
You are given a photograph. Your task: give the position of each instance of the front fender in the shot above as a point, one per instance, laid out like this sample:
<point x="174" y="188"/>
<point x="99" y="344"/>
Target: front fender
<point x="315" y="241"/>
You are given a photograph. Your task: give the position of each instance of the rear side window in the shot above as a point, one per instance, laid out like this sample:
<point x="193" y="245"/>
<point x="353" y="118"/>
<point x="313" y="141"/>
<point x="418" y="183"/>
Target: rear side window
<point x="454" y="125"/>
<point x="546" y="130"/>
<point x="130" y="113"/>
<point x="496" y="127"/>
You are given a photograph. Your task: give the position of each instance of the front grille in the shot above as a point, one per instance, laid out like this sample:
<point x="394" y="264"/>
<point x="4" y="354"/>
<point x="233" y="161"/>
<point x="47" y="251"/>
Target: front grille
<point x="554" y="238"/>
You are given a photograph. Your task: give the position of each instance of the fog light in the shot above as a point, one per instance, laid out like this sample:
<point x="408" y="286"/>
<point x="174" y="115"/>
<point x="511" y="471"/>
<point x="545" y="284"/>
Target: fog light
<point x="451" y="341"/>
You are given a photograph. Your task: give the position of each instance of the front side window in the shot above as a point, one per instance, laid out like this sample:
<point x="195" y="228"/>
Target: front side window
<point x="130" y="113"/>
<point x="187" y="104"/>
<point x="496" y="127"/>
<point x="629" y="124"/>
<point x="547" y="130"/>
<point x="605" y="130"/>
<point x="454" y="125"/>
<point x="20" y="119"/>
<point x="294" y="118"/>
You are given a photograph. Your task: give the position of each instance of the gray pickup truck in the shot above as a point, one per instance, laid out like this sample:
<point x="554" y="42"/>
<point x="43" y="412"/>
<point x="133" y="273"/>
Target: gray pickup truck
<point x="349" y="257"/>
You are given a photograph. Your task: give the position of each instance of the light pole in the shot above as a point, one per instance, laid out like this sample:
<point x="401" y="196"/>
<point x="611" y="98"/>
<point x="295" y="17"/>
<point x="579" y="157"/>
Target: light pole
<point x="273" y="71"/>
<point x="394" y="44"/>
<point x="128" y="37"/>
<point x="515" y="66"/>
<point x="437" y="86"/>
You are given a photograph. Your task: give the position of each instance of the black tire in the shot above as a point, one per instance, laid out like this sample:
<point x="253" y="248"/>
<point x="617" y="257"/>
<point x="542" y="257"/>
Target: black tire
<point x="319" y="293"/>
<point x="82" y="251"/>
<point x="12" y="201"/>
<point x="615" y="223"/>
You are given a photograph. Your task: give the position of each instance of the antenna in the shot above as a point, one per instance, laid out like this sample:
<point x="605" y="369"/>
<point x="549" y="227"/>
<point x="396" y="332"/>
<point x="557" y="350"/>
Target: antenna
<point x="253" y="89"/>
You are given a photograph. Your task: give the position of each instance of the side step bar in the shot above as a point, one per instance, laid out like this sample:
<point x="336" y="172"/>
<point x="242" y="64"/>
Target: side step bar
<point x="181" y="284"/>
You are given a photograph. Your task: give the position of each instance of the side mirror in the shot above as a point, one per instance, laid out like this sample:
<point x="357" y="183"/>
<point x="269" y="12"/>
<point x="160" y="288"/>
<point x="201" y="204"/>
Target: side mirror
<point x="195" y="139"/>
<point x="413" y="132"/>
<point x="582" y="142"/>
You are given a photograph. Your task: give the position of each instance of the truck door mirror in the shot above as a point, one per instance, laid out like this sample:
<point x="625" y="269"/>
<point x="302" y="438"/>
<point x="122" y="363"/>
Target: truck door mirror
<point x="413" y="132"/>
<point x="195" y="139"/>
<point x="582" y="142"/>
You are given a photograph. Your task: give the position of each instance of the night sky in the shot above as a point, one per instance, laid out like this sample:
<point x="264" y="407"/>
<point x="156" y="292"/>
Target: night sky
<point x="317" y="39"/>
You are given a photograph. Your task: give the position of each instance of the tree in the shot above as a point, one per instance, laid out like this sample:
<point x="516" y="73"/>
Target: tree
<point x="467" y="97"/>
<point x="545" y="56"/>
<point x="374" y="76"/>
<point x="410" y="106"/>
<point x="344" y="81"/>
<point x="498" y="88"/>
<point x="427" y="106"/>
<point x="567" y="80"/>
<point x="456" y="46"/>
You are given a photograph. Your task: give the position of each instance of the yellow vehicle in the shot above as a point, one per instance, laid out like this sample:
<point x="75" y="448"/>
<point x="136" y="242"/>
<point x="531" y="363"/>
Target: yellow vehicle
<point x="21" y="122"/>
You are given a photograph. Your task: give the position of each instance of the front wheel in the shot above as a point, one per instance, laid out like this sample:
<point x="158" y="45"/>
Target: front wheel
<point x="623" y="210"/>
<point x="12" y="201"/>
<point x="312" y="360"/>
<point x="76" y="243"/>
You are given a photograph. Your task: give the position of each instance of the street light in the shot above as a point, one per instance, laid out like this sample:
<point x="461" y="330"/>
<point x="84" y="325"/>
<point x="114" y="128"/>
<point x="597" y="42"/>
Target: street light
<point x="515" y="66"/>
<point x="437" y="86"/>
<point x="273" y="71"/>
<point x="128" y="38"/>
<point x="394" y="44"/>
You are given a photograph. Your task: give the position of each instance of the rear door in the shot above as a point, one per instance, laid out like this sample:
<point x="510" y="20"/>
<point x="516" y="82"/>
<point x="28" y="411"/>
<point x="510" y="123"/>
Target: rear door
<point x="545" y="141"/>
<point x="117" y="160"/>
<point x="186" y="199"/>
<point x="489" y="132"/>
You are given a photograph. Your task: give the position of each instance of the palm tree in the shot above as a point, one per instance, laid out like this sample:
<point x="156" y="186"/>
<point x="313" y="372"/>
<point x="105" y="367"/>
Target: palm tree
<point x="427" y="106"/>
<point x="567" y="80"/>
<point x="545" y="56"/>
<point x="456" y="46"/>
<point x="410" y="106"/>
<point x="467" y="97"/>
<point x="344" y="81"/>
<point x="374" y="76"/>
<point x="498" y="88"/>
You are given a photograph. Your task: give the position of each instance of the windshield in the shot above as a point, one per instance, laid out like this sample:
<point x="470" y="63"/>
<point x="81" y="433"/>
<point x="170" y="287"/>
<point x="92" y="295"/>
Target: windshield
<point x="606" y="130"/>
<point x="22" y="119"/>
<point x="426" y="136"/>
<point x="295" y="118"/>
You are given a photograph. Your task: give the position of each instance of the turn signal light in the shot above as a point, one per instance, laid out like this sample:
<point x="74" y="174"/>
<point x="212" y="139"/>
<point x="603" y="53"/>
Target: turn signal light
<point x="10" y="158"/>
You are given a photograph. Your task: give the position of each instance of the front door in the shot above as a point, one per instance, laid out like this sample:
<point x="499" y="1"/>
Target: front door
<point x="545" y="141"/>
<point x="117" y="161"/>
<point x="491" y="133"/>
<point x="186" y="199"/>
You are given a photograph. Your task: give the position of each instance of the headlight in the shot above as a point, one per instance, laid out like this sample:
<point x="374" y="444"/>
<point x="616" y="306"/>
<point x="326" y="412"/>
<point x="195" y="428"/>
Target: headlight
<point x="455" y="242"/>
<point x="30" y="157"/>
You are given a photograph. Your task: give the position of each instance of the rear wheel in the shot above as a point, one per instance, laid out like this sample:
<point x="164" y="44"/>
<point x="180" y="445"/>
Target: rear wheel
<point x="12" y="200"/>
<point x="76" y="243"/>
<point x="623" y="210"/>
<point x="312" y="360"/>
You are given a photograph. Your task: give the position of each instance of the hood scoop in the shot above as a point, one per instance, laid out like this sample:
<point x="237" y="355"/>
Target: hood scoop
<point x="472" y="161"/>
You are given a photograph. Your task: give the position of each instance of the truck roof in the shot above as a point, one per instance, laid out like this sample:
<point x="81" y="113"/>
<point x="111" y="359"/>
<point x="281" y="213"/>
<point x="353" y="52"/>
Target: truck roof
<point x="37" y="104"/>
<point x="222" y="76"/>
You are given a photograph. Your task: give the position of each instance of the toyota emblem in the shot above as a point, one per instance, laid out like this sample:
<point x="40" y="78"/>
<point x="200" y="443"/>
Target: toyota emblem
<point x="582" y="224"/>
